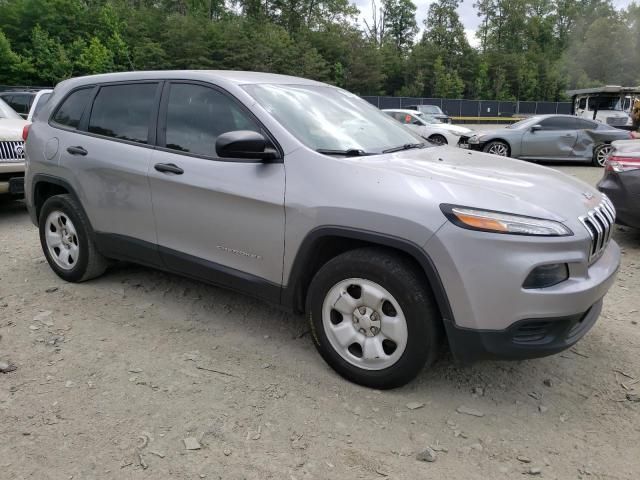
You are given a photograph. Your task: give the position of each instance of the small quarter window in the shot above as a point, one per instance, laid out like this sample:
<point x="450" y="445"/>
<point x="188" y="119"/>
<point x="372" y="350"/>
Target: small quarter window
<point x="70" y="112"/>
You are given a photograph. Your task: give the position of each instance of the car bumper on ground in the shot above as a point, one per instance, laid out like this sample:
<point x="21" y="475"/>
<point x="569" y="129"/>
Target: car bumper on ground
<point x="494" y="316"/>
<point x="12" y="178"/>
<point x="623" y="189"/>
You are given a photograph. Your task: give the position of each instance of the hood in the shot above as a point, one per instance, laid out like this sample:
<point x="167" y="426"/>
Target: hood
<point x="454" y="128"/>
<point x="11" y="130"/>
<point x="480" y="180"/>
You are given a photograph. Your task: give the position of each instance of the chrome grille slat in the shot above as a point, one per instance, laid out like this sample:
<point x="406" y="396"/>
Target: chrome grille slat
<point x="8" y="151"/>
<point x="599" y="224"/>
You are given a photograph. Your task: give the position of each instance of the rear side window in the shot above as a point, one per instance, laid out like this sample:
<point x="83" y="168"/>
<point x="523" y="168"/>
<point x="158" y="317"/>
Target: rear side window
<point x="70" y="111"/>
<point x="197" y="115"/>
<point x="124" y="111"/>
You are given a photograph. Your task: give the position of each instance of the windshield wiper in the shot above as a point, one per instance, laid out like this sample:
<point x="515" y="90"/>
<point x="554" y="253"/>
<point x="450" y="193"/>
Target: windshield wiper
<point x="406" y="146"/>
<point x="350" y="152"/>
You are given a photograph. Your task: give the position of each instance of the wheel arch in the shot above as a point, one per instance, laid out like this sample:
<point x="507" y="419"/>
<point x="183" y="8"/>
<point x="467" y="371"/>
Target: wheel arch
<point x="44" y="186"/>
<point x="324" y="243"/>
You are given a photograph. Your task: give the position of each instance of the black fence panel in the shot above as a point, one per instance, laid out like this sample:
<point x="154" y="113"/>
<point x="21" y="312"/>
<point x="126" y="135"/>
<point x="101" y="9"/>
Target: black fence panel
<point x="372" y="100"/>
<point x="545" y="108"/>
<point x="389" y="102"/>
<point x="489" y="108"/>
<point x="451" y="107"/>
<point x="527" y="108"/>
<point x="564" y="108"/>
<point x="507" y="109"/>
<point x="469" y="108"/>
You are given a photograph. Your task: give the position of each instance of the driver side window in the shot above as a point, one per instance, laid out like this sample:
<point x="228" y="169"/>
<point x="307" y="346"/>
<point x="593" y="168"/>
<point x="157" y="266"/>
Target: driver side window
<point x="558" y="123"/>
<point x="197" y="115"/>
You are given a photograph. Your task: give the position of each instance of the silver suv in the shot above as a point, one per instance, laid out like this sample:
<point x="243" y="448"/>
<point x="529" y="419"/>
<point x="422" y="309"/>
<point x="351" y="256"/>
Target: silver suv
<point x="304" y="195"/>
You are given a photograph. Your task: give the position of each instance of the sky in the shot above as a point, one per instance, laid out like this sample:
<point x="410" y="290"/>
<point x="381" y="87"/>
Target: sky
<point x="468" y="14"/>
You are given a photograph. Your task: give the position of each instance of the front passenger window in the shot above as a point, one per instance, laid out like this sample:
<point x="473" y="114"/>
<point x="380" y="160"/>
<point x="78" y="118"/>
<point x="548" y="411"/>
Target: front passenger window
<point x="198" y="115"/>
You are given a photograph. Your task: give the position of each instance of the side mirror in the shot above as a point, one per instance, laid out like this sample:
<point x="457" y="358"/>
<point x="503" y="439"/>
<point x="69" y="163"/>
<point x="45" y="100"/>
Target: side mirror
<point x="245" y="145"/>
<point x="536" y="127"/>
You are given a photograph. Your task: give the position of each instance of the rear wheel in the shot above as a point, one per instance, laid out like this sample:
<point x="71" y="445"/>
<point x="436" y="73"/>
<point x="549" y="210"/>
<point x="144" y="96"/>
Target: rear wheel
<point x="600" y="155"/>
<point x="373" y="318"/>
<point x="66" y="240"/>
<point x="497" y="147"/>
<point x="438" y="139"/>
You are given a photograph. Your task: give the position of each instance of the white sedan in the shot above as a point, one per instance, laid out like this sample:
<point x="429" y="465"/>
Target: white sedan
<point x="430" y="128"/>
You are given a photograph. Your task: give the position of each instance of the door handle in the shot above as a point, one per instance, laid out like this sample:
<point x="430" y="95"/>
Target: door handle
<point x="77" y="151"/>
<point x="168" y="168"/>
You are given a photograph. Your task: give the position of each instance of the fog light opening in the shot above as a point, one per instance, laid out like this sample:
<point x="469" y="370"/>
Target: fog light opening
<point x="547" y="276"/>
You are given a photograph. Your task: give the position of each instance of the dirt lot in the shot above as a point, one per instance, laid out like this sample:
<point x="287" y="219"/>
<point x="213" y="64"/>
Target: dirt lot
<point x="114" y="374"/>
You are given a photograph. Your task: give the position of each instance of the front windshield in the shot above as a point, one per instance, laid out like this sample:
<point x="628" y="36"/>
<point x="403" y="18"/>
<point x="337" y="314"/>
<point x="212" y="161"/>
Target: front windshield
<point x="605" y="103"/>
<point x="7" y="112"/>
<point x="329" y="118"/>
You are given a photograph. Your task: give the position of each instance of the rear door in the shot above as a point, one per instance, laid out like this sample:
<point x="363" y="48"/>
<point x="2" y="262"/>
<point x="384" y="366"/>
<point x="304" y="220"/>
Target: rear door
<point x="106" y="150"/>
<point x="555" y="140"/>
<point x="216" y="219"/>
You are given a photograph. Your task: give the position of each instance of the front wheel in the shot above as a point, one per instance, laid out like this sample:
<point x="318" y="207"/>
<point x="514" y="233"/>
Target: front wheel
<point x="600" y="155"/>
<point x="497" y="148"/>
<point x="438" y="139"/>
<point x="373" y="318"/>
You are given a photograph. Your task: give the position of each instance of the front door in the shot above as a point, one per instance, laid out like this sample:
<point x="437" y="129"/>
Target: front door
<point x="555" y="138"/>
<point x="216" y="219"/>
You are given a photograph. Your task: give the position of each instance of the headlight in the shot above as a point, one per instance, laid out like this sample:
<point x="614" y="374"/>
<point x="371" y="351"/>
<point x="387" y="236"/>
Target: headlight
<point x="501" y="222"/>
<point x="475" y="139"/>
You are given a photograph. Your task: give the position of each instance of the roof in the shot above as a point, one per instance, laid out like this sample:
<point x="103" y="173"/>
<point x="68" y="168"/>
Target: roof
<point x="227" y="76"/>
<point x="402" y="110"/>
<point x="604" y="89"/>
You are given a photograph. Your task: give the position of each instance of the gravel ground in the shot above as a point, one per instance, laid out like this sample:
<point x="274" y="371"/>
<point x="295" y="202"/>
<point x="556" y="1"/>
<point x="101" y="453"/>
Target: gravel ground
<point x="115" y="374"/>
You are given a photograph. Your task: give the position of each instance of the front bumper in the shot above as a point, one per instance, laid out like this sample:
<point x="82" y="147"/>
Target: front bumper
<point x="12" y="178"/>
<point x="483" y="276"/>
<point x="529" y="338"/>
<point x="623" y="189"/>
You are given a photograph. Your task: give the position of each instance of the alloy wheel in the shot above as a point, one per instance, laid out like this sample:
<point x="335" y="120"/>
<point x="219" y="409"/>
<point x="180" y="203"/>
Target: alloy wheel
<point x="364" y="324"/>
<point x="62" y="240"/>
<point x="498" y="149"/>
<point x="602" y="154"/>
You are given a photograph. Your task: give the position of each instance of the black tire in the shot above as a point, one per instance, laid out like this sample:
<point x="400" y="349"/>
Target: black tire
<point x="408" y="285"/>
<point x="491" y="147"/>
<point x="600" y="153"/>
<point x="438" y="139"/>
<point x="90" y="263"/>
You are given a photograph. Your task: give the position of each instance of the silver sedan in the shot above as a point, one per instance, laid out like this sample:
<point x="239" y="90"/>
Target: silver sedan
<point x="551" y="138"/>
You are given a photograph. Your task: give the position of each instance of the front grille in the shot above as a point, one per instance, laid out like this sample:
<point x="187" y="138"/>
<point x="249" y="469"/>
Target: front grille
<point x="11" y="151"/>
<point x="617" y="121"/>
<point x="599" y="223"/>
